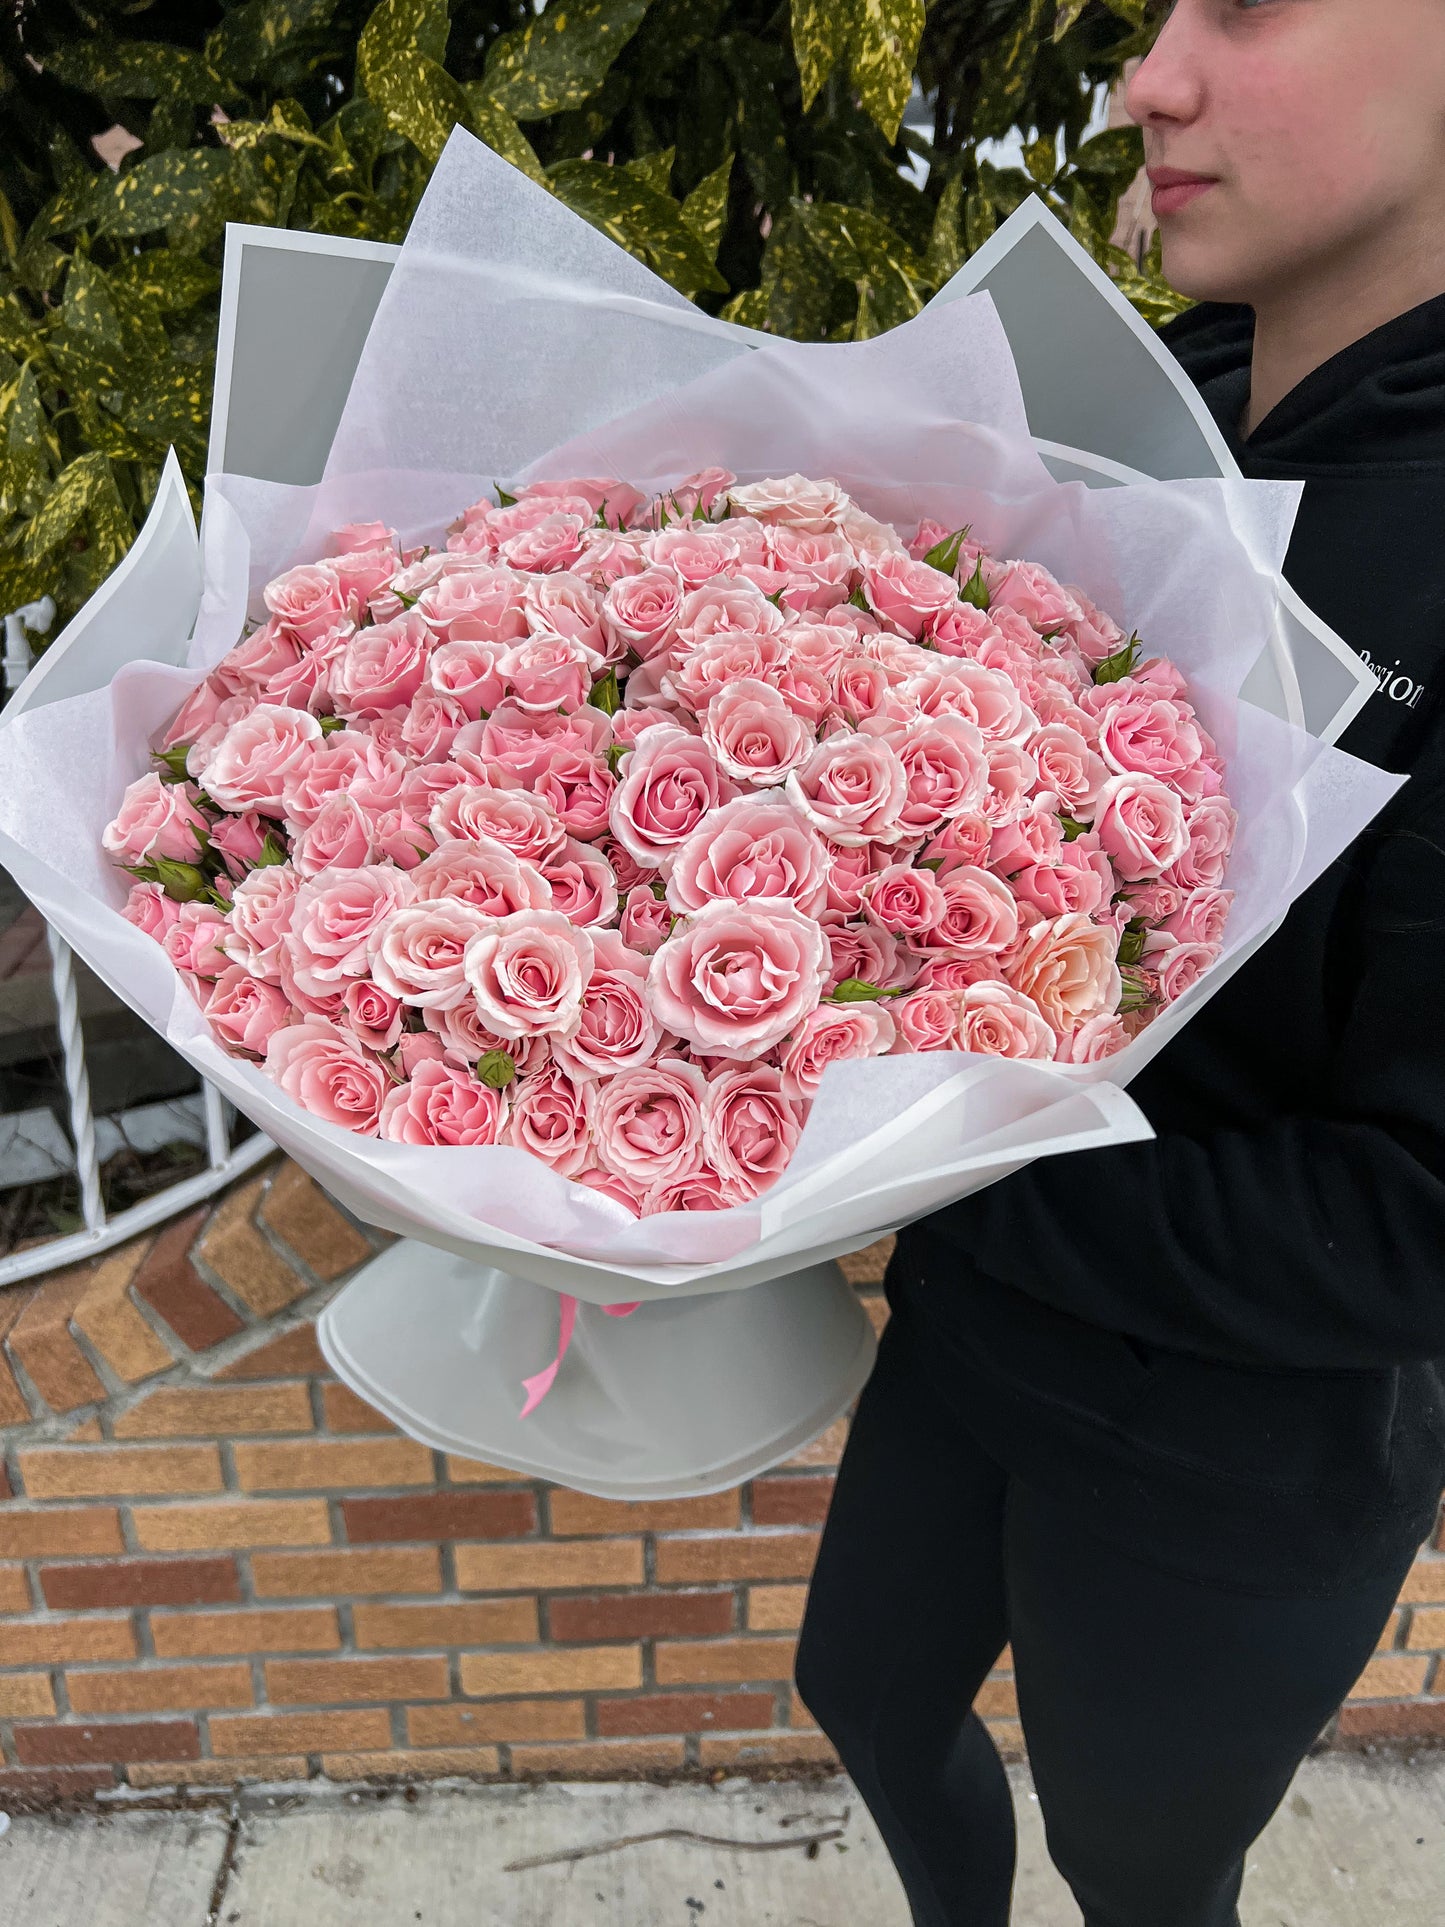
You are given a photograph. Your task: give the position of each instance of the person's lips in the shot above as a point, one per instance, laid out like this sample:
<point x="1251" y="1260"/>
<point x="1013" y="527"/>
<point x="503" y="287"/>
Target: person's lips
<point x="1174" y="189"/>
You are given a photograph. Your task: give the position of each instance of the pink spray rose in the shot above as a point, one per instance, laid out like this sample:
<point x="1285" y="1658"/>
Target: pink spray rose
<point x="616" y="1029"/>
<point x="150" y="909"/>
<point x="647" y="1123"/>
<point x="996" y="1020"/>
<point x="245" y="1010"/>
<point x="582" y="882"/>
<point x="669" y="783"/>
<point x="908" y="594"/>
<point x="927" y="1019"/>
<point x="418" y="953"/>
<point x="750" y="1129"/>
<point x="529" y="973"/>
<point x="525" y="824"/>
<point x="751" y="847"/>
<point x="1094" y="1040"/>
<point x="382" y="668"/>
<point x="156" y="819"/>
<point x="336" y="922"/>
<point x="736" y="978"/>
<point x="853" y="788"/>
<point x="754" y="735"/>
<point x="551" y="1118"/>
<point x="1208" y="835"/>
<point x="441" y="1104"/>
<point x="307" y="600"/>
<point x="323" y="1069"/>
<point x="829" y="1035"/>
<point x="1067" y="968"/>
<point x="484" y="874"/>
<point x="1140" y="824"/>
<point x="647" y="920"/>
<point x="249" y="767"/>
<point x="260" y="921"/>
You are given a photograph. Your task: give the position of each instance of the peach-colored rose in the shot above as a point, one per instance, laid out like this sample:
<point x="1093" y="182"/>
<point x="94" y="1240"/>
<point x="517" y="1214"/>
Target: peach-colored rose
<point x="754" y="734"/>
<point x="156" y="819"/>
<point x="647" y="1123"/>
<point x="853" y="788"/>
<point x="616" y="1030"/>
<point x="995" y="1020"/>
<point x="791" y="501"/>
<point x="382" y="668"/>
<point x="418" y="953"/>
<point x="525" y="824"/>
<point x="1067" y="966"/>
<point x="260" y="919"/>
<point x="249" y="767"/>
<point x="582" y="882"/>
<point x="335" y="923"/>
<point x="669" y="783"/>
<point x="1140" y="824"/>
<point x="483" y="874"/>
<point x="308" y="599"/>
<point x="736" y="978"/>
<point x="751" y="847"/>
<point x="324" y="1069"/>
<point x="441" y="1104"/>
<point x="750" y="1129"/>
<point x="831" y="1034"/>
<point x="529" y="973"/>
<point x="245" y="1011"/>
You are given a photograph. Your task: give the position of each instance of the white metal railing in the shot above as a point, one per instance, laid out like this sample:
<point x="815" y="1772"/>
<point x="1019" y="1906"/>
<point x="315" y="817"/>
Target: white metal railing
<point x="225" y="1160"/>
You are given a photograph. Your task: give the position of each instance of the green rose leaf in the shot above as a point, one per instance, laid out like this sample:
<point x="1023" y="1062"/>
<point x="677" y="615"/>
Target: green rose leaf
<point x="561" y="57"/>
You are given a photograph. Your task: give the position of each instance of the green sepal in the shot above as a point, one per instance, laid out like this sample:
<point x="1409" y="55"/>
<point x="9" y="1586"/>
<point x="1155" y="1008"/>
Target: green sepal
<point x="853" y="990"/>
<point x="330" y="724"/>
<point x="173" y="762"/>
<point x="943" y="556"/>
<point x="606" y="696"/>
<point x="975" y="590"/>
<point x="273" y="851"/>
<point x="1072" y="828"/>
<point x="182" y="882"/>
<point x="1131" y="944"/>
<point x="1121" y="664"/>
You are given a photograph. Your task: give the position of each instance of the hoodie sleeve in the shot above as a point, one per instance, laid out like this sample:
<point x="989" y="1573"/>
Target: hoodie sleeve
<point x="1308" y="1241"/>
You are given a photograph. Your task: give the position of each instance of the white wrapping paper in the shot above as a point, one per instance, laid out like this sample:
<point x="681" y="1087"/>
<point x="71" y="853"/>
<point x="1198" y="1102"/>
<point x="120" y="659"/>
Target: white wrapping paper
<point x="512" y="341"/>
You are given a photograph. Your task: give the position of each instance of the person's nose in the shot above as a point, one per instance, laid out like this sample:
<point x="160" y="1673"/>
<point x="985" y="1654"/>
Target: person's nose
<point x="1168" y="86"/>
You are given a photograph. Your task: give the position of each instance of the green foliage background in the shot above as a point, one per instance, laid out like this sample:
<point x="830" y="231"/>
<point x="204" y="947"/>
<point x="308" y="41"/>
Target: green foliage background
<point x="749" y="151"/>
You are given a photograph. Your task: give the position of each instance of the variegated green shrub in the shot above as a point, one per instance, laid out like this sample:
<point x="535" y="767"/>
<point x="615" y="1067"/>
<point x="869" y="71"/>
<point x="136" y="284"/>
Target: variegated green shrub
<point x="753" y="154"/>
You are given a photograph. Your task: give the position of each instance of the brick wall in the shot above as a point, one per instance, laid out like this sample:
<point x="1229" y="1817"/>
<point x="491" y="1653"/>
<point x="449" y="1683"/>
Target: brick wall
<point x="218" y="1564"/>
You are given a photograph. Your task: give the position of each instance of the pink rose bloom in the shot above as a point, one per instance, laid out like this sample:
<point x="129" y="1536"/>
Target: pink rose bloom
<point x="336" y="922"/>
<point x="927" y="1020"/>
<point x="549" y="673"/>
<point x="340" y="837"/>
<point x="1153" y="902"/>
<point x="647" y="1123"/>
<point x="156" y="819"/>
<point x="1094" y="1040"/>
<point x="323" y="1069"/>
<point x="233" y="710"/>
<point x="962" y="631"/>
<point x="621" y="1190"/>
<point x="249" y="767"/>
<point x="1067" y="966"/>
<point x="996" y="1020"/>
<point x="831" y="1034"/>
<point x="526" y="825"/>
<point x="946" y="769"/>
<point x="791" y="501"/>
<point x="582" y="882"/>
<point x="726" y="606"/>
<point x="699" y="670"/>
<point x="984" y="697"/>
<point x="702" y="1190"/>
<point x="607" y="555"/>
<point x="579" y="787"/>
<point x="980" y="917"/>
<point x="432" y="725"/>
<point x="345" y="763"/>
<point x="550" y="1117"/>
<point x="364" y="572"/>
<point x="401" y="838"/>
<point x="1036" y="837"/>
<point x="470" y="673"/>
<point x="239" y="839"/>
<point x="476" y="605"/>
<point x="1064" y="889"/>
<point x="641" y="611"/>
<point x="646" y="920"/>
<point x="554" y="543"/>
<point x="904" y="901"/>
<point x="750" y="1129"/>
<point x="625" y="867"/>
<point x="704" y="490"/>
<point x="863" y="951"/>
<point x="852" y="788"/>
<point x="695" y="553"/>
<point x="361" y="535"/>
<point x="956" y="973"/>
<point x="751" y="847"/>
<point x="195" y="714"/>
<point x="1141" y="826"/>
<point x="373" y="1016"/>
<point x="1094" y="634"/>
<point x="908" y="594"/>
<point x="736" y="978"/>
<point x="567" y="606"/>
<point x="754" y="735"/>
<point x="965" y="839"/>
<point x="850" y="871"/>
<point x="150" y="909"/>
<point x="1201" y="918"/>
<point x="307" y="600"/>
<point x="1208" y="833"/>
<point x="1068" y="767"/>
<point x="1043" y="603"/>
<point x="260" y="919"/>
<point x="1151" y="735"/>
<point x="270" y="655"/>
<point x="669" y="783"/>
<point x="1012" y="775"/>
<point x="861" y="689"/>
<point x="244" y="1011"/>
<point x="513" y="746"/>
<point x="616" y="1030"/>
<point x="818" y="570"/>
<point x="529" y="972"/>
<point x="194" y="941"/>
<point x="418" y="953"/>
<point x="485" y="875"/>
<point x="464" y="1038"/>
<point x="1177" y="965"/>
<point x="382" y="668"/>
<point x="824" y="646"/>
<point x="617" y="502"/>
<point x="443" y="1105"/>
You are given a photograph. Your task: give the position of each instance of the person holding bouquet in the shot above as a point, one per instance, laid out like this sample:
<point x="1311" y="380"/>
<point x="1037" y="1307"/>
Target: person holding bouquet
<point x="1168" y="1419"/>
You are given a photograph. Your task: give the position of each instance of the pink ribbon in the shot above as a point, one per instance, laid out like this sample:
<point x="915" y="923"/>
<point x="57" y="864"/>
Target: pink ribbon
<point x="540" y="1383"/>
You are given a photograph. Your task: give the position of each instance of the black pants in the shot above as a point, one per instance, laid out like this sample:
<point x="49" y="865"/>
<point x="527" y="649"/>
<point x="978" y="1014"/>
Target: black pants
<point x="1164" y="1718"/>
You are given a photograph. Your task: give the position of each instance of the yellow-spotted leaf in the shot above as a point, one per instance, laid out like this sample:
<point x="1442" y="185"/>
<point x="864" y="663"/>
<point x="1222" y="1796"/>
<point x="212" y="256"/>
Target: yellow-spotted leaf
<point x="882" y="47"/>
<point x="705" y="210"/>
<point x="173" y="191"/>
<point x="1069" y="14"/>
<point x="561" y="57"/>
<point x="822" y="31"/>
<point x="646" y="223"/>
<point x="398" y="63"/>
<point x="654" y="170"/>
<point x="136" y="70"/>
<point x="496" y="127"/>
<point x="87" y="484"/>
<point x="947" y="249"/>
<point x="256" y="32"/>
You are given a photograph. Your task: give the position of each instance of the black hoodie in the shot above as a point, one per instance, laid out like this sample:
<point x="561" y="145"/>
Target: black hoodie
<point x="1227" y="1346"/>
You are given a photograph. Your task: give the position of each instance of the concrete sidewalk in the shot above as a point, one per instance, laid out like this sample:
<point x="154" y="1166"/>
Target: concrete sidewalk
<point x="1359" y="1843"/>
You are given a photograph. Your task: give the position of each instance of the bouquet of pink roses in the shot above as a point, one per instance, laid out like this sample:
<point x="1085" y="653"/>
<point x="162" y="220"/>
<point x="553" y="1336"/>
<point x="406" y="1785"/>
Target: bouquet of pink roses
<point x="604" y="830"/>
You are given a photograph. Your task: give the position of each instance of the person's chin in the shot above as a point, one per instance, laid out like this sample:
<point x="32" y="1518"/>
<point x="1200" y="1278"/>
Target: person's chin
<point x="1200" y="266"/>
